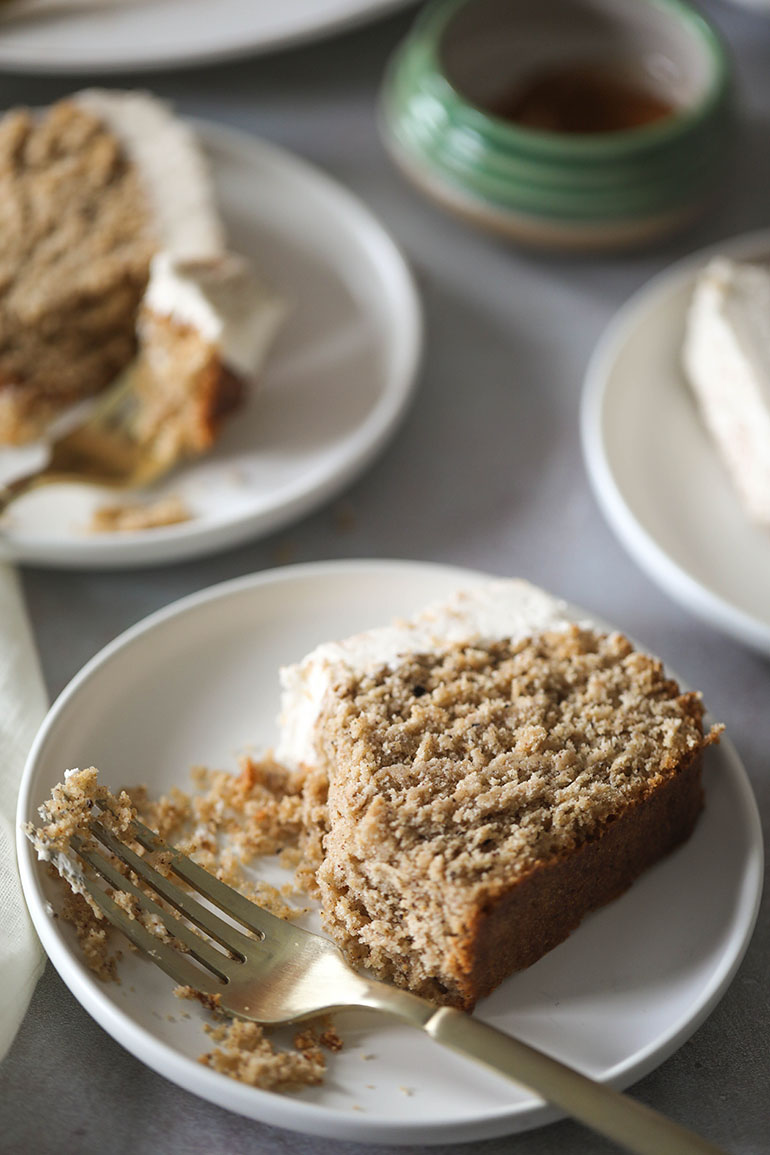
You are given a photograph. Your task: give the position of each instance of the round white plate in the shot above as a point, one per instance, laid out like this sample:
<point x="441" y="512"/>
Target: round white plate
<point x="113" y="35"/>
<point x="654" y="469"/>
<point x="198" y="682"/>
<point x="335" y="386"/>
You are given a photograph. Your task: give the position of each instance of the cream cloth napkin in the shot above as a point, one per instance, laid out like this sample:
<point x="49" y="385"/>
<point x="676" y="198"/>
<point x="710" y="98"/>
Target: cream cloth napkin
<point x="23" y="703"/>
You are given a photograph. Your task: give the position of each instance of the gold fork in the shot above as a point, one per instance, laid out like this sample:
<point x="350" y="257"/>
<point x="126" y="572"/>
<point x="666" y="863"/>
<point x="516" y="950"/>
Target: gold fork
<point x="105" y="449"/>
<point x="287" y="974"/>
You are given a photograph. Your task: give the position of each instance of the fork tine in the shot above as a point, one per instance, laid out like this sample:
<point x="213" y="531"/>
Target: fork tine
<point x="199" y="948"/>
<point x="223" y="932"/>
<point x="176" y="965"/>
<point x="243" y="909"/>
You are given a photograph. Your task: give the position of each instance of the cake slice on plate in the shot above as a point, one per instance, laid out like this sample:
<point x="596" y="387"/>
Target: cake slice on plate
<point x="114" y="247"/>
<point x="481" y="777"/>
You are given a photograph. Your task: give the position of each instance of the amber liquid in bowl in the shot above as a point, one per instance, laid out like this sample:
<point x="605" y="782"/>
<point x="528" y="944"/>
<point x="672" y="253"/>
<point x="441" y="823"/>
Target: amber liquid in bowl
<point x="581" y="99"/>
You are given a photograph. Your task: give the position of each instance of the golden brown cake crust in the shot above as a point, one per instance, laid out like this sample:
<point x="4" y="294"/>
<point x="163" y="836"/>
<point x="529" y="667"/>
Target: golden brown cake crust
<point x="542" y="909"/>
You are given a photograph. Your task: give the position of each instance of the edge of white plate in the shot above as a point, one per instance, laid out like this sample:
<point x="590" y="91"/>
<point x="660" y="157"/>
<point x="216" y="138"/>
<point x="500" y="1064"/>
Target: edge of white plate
<point x="194" y="539"/>
<point x="310" y="1118"/>
<point x="320" y="29"/>
<point x="674" y="579"/>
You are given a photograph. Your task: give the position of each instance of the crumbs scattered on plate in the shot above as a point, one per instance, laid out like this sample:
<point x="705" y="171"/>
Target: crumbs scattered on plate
<point x="227" y="822"/>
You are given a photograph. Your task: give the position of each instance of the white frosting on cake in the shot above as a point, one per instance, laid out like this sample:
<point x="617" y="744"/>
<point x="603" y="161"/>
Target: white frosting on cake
<point x="221" y="298"/>
<point x="727" y="361"/>
<point x="491" y="612"/>
<point x="171" y="166"/>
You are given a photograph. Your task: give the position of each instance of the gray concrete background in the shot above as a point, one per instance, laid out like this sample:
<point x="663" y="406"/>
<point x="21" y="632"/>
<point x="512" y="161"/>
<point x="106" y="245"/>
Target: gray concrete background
<point x="508" y="338"/>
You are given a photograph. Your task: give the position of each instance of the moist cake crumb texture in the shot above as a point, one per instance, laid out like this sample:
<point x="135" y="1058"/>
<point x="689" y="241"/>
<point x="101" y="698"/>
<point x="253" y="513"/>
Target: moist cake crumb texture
<point x="244" y="1052"/>
<point x="183" y="388"/>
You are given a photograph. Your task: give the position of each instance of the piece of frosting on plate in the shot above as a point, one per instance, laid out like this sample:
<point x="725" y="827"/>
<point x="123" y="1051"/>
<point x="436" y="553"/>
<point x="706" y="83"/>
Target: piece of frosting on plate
<point x="726" y="358"/>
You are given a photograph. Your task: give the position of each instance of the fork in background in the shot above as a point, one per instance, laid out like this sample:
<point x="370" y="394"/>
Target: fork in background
<point x="287" y="974"/>
<point x="105" y="449"/>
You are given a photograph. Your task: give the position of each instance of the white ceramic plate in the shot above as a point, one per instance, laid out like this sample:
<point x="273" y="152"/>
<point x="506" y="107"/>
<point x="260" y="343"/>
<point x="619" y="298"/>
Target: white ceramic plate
<point x="336" y="384"/>
<point x="143" y="34"/>
<point x="196" y="683"/>
<point x="655" y="471"/>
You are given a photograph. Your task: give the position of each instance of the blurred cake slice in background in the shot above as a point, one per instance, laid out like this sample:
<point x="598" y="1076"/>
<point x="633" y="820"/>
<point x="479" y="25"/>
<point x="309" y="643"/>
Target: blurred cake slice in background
<point x="78" y="236"/>
<point x="103" y="197"/>
<point x="205" y="327"/>
<point x="727" y="361"/>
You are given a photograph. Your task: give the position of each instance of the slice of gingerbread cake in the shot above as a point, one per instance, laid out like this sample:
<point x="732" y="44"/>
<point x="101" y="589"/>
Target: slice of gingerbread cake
<point x="481" y="777"/>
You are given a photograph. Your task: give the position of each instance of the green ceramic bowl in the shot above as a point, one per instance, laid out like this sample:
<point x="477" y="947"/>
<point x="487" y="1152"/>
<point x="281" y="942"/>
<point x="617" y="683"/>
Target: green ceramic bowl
<point x="592" y="190"/>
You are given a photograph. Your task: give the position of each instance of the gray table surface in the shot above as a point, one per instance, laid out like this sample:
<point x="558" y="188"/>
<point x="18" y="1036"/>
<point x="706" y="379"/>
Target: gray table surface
<point x="508" y="338"/>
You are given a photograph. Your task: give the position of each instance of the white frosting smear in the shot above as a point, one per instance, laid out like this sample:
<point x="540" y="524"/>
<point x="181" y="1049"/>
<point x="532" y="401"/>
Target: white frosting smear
<point x="223" y="299"/>
<point x="726" y="357"/>
<point x="492" y="612"/>
<point x="171" y="167"/>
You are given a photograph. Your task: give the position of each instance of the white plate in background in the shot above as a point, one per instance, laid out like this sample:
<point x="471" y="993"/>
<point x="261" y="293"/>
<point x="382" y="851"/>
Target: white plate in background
<point x="336" y="384"/>
<point x="198" y="682"/>
<point x="654" y="469"/>
<point x="115" y="35"/>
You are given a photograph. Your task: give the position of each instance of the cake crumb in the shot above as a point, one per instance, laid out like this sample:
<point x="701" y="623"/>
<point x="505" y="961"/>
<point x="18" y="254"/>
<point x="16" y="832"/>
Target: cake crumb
<point x="130" y="517"/>
<point x="210" y="1002"/>
<point x="94" y="935"/>
<point x="331" y="1040"/>
<point x="244" y="1052"/>
<point x="305" y="1039"/>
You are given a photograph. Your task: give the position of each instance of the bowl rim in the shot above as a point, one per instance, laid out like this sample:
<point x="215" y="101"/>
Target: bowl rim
<point x="433" y="22"/>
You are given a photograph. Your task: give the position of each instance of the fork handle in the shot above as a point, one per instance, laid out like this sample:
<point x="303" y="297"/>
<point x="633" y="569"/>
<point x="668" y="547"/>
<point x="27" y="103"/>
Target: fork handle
<point x="628" y="1122"/>
<point x="21" y="485"/>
